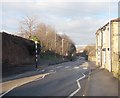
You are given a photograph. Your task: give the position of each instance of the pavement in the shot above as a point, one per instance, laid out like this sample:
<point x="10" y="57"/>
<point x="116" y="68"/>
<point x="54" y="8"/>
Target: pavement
<point x="101" y="82"/>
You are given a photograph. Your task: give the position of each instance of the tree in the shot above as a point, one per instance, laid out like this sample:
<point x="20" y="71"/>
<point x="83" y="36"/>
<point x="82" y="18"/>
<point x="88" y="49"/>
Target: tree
<point x="40" y="33"/>
<point x="90" y="50"/>
<point x="69" y="46"/>
<point x="47" y="37"/>
<point x="28" y="26"/>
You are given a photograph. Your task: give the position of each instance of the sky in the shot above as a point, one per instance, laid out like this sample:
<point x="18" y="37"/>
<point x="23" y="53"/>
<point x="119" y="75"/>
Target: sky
<point x="75" y="18"/>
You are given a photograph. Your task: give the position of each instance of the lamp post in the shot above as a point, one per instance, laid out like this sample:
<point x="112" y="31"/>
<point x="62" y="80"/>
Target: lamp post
<point x="62" y="47"/>
<point x="55" y="45"/>
<point x="36" y="54"/>
<point x="46" y="34"/>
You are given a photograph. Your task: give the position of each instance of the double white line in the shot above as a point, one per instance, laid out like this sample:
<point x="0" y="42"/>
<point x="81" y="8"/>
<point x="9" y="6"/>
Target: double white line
<point x="79" y="87"/>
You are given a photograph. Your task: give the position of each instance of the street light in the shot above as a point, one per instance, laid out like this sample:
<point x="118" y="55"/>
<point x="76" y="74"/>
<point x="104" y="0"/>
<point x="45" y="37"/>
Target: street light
<point x="36" y="54"/>
<point x="55" y="45"/>
<point x="46" y="34"/>
<point x="62" y="46"/>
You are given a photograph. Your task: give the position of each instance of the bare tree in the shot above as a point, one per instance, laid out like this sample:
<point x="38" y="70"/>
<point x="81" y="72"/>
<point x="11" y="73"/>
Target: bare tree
<point x="69" y="47"/>
<point x="90" y="50"/>
<point x="51" y="34"/>
<point x="28" y="26"/>
<point x="47" y="36"/>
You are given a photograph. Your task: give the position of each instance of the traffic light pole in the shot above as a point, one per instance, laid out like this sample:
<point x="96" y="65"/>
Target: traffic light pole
<point x="36" y="55"/>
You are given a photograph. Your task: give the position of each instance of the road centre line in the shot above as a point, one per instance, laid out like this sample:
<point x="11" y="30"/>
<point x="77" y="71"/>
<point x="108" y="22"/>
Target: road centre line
<point x="79" y="87"/>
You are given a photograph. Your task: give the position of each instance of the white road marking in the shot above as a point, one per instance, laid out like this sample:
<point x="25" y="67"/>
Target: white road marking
<point x="51" y="70"/>
<point x="13" y="88"/>
<point x="85" y="68"/>
<point x="85" y="64"/>
<point x="10" y="81"/>
<point x="44" y="76"/>
<point x="18" y="76"/>
<point x="79" y="87"/>
<point x="67" y="66"/>
<point x="59" y="67"/>
<point x="40" y="78"/>
<point x="76" y="67"/>
<point x="42" y="70"/>
<point x="8" y="91"/>
<point x="23" y="83"/>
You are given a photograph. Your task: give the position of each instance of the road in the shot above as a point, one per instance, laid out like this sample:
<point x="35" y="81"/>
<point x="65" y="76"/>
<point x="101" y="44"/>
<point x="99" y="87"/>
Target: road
<point x="65" y="79"/>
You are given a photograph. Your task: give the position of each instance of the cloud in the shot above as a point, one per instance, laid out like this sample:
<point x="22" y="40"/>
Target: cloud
<point x="79" y="20"/>
<point x="59" y="1"/>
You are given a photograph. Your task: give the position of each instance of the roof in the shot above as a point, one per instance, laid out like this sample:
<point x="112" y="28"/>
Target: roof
<point x="113" y="20"/>
<point x="116" y="20"/>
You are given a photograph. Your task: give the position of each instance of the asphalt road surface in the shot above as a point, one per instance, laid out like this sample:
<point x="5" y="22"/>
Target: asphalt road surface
<point x="65" y="79"/>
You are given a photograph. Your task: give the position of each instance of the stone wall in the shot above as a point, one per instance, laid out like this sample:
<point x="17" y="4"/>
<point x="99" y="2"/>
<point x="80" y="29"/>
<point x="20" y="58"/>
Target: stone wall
<point x="16" y="51"/>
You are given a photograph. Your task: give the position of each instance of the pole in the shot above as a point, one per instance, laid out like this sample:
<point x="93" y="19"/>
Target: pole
<point x="62" y="46"/>
<point x="36" y="55"/>
<point x="41" y="48"/>
<point x="47" y="40"/>
<point x="55" y="45"/>
<point x="110" y="46"/>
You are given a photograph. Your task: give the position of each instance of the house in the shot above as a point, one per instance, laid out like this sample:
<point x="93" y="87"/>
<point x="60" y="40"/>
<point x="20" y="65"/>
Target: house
<point x="108" y="46"/>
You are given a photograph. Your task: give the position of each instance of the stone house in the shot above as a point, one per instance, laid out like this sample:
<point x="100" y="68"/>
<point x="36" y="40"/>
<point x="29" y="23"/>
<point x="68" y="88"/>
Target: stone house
<point x="108" y="46"/>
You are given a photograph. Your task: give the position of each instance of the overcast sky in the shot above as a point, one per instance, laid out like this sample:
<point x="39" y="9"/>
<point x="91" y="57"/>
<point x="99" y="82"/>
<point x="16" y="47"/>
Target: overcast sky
<point x="79" y="20"/>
